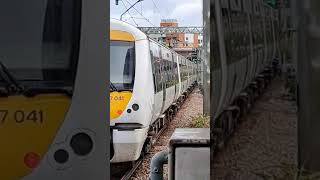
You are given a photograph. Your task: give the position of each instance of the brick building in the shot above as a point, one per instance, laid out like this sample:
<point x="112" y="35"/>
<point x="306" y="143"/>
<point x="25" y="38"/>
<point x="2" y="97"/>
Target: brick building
<point x="179" y="40"/>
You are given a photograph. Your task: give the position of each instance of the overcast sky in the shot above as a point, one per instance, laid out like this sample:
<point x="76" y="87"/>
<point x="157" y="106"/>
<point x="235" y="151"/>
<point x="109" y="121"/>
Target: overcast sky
<point x="187" y="12"/>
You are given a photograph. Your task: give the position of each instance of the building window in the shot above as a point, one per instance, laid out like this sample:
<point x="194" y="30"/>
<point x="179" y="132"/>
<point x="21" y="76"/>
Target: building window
<point x="186" y="38"/>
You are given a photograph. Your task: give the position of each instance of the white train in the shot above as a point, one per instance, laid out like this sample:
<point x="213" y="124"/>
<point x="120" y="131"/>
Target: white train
<point x="146" y="79"/>
<point x="244" y="39"/>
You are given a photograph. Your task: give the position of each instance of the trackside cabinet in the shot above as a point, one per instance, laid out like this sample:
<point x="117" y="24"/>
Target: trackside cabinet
<point x="189" y="154"/>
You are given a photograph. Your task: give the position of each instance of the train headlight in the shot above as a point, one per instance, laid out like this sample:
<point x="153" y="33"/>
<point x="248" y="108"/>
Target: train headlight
<point x="81" y="144"/>
<point x="135" y="107"/>
<point x="61" y="156"/>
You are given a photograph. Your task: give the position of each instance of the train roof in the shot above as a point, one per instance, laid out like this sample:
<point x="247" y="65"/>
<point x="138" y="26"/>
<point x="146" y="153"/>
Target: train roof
<point x="124" y="26"/>
<point x="116" y="24"/>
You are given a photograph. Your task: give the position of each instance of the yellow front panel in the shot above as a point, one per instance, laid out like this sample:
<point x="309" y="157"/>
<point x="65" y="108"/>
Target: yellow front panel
<point x="28" y="125"/>
<point x="117" y="35"/>
<point x="118" y="103"/>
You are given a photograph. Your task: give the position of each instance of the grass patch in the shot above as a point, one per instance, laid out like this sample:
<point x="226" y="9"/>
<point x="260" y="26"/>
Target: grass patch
<point x="201" y="121"/>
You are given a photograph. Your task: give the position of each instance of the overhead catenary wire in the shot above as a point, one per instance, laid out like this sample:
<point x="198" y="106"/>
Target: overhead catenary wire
<point x="140" y="14"/>
<point x="130" y="14"/>
<point x="155" y="5"/>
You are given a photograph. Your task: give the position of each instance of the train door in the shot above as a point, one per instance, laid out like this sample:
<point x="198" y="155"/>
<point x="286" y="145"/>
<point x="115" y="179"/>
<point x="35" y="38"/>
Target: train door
<point x="163" y="77"/>
<point x="179" y="75"/>
<point x="175" y="77"/>
<point x="185" y="74"/>
<point x="169" y="86"/>
<point x="181" y="71"/>
<point x="156" y="69"/>
<point x="188" y="73"/>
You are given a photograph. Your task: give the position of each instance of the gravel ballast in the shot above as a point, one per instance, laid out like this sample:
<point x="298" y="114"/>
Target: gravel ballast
<point x="264" y="146"/>
<point x="192" y="107"/>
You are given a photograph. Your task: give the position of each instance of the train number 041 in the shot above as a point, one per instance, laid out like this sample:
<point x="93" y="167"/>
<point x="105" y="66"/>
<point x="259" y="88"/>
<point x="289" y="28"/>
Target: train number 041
<point x="20" y="116"/>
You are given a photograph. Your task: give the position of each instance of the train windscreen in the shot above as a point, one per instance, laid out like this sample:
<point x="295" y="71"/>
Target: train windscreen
<point x="122" y="65"/>
<point x="39" y="41"/>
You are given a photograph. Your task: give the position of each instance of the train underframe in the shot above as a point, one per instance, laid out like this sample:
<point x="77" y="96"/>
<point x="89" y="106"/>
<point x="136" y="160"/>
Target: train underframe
<point x="224" y="126"/>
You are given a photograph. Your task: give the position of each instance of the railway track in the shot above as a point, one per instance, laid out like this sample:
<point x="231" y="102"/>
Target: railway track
<point x="124" y="171"/>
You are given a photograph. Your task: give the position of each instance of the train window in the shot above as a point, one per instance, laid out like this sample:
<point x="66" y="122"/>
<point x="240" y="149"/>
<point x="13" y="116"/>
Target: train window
<point x="156" y="63"/>
<point x="169" y="74"/>
<point x="153" y="71"/>
<point x="41" y="47"/>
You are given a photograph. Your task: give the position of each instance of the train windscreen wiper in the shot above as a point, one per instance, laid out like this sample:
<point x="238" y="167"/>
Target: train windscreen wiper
<point x="11" y="82"/>
<point x="113" y="87"/>
<point x="33" y="91"/>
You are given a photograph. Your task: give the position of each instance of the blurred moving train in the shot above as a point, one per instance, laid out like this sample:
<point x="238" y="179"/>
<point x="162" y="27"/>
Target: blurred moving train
<point x="52" y="89"/>
<point x="148" y="82"/>
<point x="244" y="38"/>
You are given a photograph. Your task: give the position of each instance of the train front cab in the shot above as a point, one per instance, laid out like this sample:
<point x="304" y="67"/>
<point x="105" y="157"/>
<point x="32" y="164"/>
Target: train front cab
<point x="50" y="128"/>
<point x="130" y="110"/>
